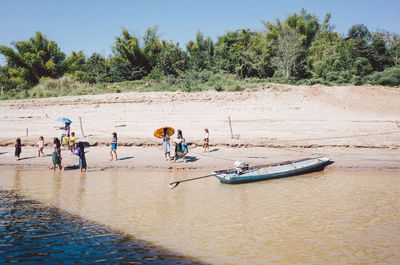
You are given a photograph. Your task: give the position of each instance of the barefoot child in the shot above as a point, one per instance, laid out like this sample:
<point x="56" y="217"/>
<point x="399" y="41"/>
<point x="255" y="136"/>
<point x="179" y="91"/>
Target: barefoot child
<point x="41" y="145"/>
<point x="114" y="146"/>
<point x="81" y="153"/>
<point x="206" y="141"/>
<point x="18" y="149"/>
<point x="72" y="142"/>
<point x="56" y="157"/>
<point x="166" y="144"/>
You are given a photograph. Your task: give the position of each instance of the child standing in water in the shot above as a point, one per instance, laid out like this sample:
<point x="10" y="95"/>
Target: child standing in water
<point x="206" y="140"/>
<point x="114" y="146"/>
<point x="41" y="145"/>
<point x="81" y="153"/>
<point x="56" y="157"/>
<point x="18" y="149"/>
<point x="72" y="142"/>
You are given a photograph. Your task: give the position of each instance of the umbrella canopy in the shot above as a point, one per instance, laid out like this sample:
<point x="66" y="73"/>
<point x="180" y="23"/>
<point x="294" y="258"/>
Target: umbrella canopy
<point x="160" y="131"/>
<point x="64" y="120"/>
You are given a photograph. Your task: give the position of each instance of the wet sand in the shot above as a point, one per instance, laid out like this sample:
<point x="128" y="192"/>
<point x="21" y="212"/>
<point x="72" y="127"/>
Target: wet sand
<point x="98" y="157"/>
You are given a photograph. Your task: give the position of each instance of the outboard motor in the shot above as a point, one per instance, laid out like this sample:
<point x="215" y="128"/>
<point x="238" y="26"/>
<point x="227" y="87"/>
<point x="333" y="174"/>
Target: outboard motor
<point x="240" y="167"/>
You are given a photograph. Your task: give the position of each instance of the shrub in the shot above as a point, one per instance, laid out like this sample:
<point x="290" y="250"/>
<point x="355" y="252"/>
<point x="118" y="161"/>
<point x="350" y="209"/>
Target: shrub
<point x="388" y="77"/>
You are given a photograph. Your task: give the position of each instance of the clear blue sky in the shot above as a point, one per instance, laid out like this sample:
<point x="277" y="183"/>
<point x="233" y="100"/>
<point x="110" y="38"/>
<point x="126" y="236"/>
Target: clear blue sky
<point x="92" y="25"/>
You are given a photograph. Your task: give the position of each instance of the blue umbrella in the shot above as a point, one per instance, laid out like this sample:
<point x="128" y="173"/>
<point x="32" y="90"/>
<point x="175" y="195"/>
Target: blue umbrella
<point x="64" y="120"/>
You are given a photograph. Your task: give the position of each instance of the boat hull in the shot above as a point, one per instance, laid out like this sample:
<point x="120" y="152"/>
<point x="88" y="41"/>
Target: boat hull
<point x="230" y="177"/>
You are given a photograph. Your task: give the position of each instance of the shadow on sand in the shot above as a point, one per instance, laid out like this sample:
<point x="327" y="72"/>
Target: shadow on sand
<point x="126" y="158"/>
<point x="29" y="157"/>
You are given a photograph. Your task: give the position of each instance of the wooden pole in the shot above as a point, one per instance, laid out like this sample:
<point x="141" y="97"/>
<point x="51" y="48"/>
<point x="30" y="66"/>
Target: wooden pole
<point x="230" y="126"/>
<point x="80" y="122"/>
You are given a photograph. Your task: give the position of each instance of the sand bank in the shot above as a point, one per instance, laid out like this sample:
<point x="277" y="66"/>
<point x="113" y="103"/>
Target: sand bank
<point x="357" y="126"/>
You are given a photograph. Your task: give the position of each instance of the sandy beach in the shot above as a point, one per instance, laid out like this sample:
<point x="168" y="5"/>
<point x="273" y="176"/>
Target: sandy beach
<point x="358" y="126"/>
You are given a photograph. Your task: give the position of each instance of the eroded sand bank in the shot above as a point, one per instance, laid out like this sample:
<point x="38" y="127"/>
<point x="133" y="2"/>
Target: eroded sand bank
<point x="357" y="126"/>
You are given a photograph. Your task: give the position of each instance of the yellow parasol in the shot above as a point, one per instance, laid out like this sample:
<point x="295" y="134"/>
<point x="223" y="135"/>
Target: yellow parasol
<point x="160" y="131"/>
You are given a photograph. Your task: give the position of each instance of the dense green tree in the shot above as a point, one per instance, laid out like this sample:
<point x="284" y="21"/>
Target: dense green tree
<point x="5" y="80"/>
<point x="378" y="52"/>
<point x="307" y="28"/>
<point x="121" y="70"/>
<point x="305" y="24"/>
<point x="329" y="55"/>
<point x="128" y="47"/>
<point x="152" y="45"/>
<point x="74" y="65"/>
<point x="33" y="59"/>
<point x="96" y="70"/>
<point x="393" y="45"/>
<point x="201" y="53"/>
<point x="324" y="54"/>
<point x="172" y="60"/>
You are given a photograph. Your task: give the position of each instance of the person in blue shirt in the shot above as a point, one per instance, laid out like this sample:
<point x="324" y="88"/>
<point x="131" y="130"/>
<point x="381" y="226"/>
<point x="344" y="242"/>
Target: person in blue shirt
<point x="114" y="146"/>
<point x="82" y="158"/>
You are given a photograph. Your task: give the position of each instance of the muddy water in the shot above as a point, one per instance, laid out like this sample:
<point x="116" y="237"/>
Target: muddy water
<point x="330" y="217"/>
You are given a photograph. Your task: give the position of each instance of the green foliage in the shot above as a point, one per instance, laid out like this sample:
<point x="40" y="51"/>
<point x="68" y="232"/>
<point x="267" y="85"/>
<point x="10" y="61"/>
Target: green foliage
<point x="172" y="60"/>
<point x="297" y="50"/>
<point x="32" y="59"/>
<point x="128" y="48"/>
<point x="95" y="69"/>
<point x="389" y="77"/>
<point x="201" y="53"/>
<point x="74" y="65"/>
<point x="152" y="45"/>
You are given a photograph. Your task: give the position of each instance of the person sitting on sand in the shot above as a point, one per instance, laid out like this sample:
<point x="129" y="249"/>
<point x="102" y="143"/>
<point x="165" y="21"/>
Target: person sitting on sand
<point x="18" y="148"/>
<point x="81" y="153"/>
<point x="114" y="146"/>
<point x="41" y="145"/>
<point x="179" y="142"/>
<point x="56" y="157"/>
<point x="166" y="144"/>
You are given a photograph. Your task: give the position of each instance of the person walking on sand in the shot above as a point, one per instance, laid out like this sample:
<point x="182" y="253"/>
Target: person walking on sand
<point x="18" y="148"/>
<point x="166" y="144"/>
<point x="206" y="142"/>
<point x="56" y="156"/>
<point x="82" y="159"/>
<point x="114" y="144"/>
<point x="179" y="140"/>
<point x="41" y="145"/>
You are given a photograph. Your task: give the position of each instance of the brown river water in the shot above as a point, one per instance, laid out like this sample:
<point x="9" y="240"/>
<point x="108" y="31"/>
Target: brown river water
<point x="328" y="217"/>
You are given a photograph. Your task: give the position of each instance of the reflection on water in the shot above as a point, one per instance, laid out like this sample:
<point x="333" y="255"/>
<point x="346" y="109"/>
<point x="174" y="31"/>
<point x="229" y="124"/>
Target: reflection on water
<point x="326" y="217"/>
<point x="34" y="234"/>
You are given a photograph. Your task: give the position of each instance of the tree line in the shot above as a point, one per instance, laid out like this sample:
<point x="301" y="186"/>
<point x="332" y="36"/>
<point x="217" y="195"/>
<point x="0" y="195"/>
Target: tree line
<point x="300" y="49"/>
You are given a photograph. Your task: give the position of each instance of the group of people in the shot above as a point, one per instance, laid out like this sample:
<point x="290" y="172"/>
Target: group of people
<point x="68" y="140"/>
<point x="181" y="147"/>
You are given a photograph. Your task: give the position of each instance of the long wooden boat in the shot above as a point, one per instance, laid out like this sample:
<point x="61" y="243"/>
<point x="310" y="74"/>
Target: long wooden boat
<point x="271" y="171"/>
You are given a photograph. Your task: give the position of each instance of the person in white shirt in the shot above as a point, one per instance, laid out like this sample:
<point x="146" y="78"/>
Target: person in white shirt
<point x="41" y="145"/>
<point x="206" y="141"/>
